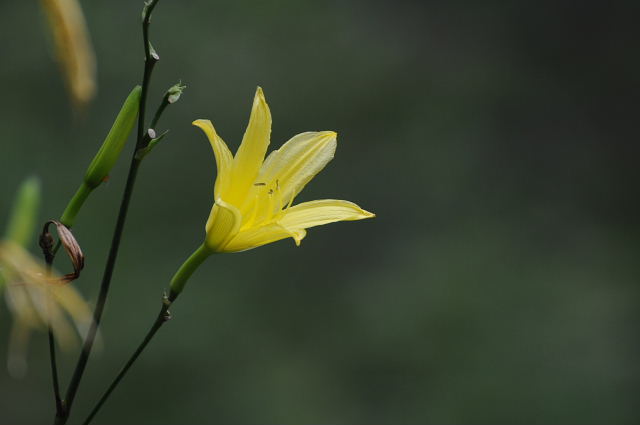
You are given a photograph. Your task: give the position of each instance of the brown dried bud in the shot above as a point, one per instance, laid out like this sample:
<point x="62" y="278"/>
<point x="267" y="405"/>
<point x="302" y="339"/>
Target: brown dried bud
<point x="70" y="245"/>
<point x="46" y="243"/>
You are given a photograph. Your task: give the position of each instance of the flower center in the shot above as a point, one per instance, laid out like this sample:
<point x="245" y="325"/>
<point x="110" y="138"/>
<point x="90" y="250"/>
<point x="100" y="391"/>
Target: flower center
<point x="266" y="204"/>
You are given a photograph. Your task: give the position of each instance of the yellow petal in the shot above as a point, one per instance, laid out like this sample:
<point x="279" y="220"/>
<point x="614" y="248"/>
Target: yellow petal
<point x="37" y="298"/>
<point x="291" y="167"/>
<point x="251" y="152"/>
<point x="73" y="47"/>
<point x="67" y="297"/>
<point x="224" y="158"/>
<point x="258" y="236"/>
<point x="316" y="213"/>
<point x="223" y="224"/>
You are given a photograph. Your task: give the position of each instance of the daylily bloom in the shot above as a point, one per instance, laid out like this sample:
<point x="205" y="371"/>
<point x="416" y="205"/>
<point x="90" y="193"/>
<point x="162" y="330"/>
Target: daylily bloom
<point x="254" y="195"/>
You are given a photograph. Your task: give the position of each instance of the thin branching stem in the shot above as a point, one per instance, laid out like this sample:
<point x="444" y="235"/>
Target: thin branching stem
<point x="150" y="60"/>
<point x="54" y="372"/>
<point x="177" y="284"/>
<point x="52" y="351"/>
<point x="102" y="297"/>
<point x="163" y="317"/>
<point x="161" y="108"/>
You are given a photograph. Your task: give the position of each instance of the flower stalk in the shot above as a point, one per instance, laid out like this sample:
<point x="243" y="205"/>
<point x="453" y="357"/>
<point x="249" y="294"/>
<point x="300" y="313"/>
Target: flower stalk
<point x="151" y="59"/>
<point x="185" y="271"/>
<point x="178" y="282"/>
<point x="163" y="317"/>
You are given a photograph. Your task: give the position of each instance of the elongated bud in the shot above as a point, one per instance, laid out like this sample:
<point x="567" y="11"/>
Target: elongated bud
<point x="110" y="150"/>
<point x="106" y="157"/>
<point x="24" y="214"/>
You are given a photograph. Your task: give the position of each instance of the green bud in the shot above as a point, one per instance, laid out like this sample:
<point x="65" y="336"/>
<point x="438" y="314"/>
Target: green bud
<point x="22" y="221"/>
<point x="110" y="150"/>
<point x="174" y="92"/>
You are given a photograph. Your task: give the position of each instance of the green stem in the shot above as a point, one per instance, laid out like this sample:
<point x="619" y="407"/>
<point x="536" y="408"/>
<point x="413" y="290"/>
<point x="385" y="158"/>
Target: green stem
<point x="149" y="63"/>
<point x="102" y="297"/>
<point x="159" y="112"/>
<point x="177" y="284"/>
<point x="52" y="354"/>
<point x="163" y="317"/>
<point x="73" y="207"/>
<point x="54" y="372"/>
<point x="68" y="218"/>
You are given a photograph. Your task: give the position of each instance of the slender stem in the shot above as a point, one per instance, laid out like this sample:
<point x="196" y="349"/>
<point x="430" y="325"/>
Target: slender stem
<point x="179" y="279"/>
<point x="52" y="353"/>
<point x="177" y="284"/>
<point x="161" y="108"/>
<point x="104" y="291"/>
<point x="54" y="372"/>
<point x="163" y="317"/>
<point x="59" y="403"/>
<point x="150" y="61"/>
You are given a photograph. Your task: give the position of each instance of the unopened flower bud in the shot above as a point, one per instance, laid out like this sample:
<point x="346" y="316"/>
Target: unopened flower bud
<point x="106" y="157"/>
<point x="110" y="150"/>
<point x="174" y="92"/>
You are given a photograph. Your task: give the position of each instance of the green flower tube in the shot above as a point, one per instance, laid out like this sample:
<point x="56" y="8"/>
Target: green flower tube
<point x="186" y="270"/>
<point x="107" y="156"/>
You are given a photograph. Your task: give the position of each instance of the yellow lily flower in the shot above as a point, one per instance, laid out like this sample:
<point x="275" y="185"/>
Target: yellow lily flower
<point x="254" y="195"/>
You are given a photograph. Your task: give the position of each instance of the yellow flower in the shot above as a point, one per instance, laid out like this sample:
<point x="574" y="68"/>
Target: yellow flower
<point x="37" y="299"/>
<point x="254" y="195"/>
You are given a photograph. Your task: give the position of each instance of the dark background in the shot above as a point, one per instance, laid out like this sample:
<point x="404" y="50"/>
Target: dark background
<point x="495" y="141"/>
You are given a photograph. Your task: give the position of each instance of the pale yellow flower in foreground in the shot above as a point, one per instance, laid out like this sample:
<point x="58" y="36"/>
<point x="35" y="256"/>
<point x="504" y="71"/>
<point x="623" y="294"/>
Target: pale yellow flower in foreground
<point x="73" y="47"/>
<point x="254" y="195"/>
<point x="37" y="299"/>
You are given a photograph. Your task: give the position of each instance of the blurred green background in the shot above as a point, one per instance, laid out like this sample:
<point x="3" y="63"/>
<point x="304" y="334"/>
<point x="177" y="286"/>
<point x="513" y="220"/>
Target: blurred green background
<point x="494" y="140"/>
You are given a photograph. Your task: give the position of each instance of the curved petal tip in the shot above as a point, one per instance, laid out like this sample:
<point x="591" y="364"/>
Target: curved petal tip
<point x="202" y="123"/>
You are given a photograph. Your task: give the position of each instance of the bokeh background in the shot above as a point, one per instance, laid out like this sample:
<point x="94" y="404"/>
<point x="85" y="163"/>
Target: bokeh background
<point x="496" y="141"/>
